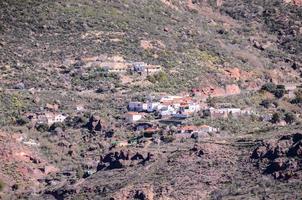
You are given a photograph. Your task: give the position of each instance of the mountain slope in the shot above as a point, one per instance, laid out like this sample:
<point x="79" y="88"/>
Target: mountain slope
<point x="50" y="55"/>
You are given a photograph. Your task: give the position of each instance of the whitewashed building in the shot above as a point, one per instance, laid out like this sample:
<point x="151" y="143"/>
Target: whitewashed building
<point x="167" y="111"/>
<point x="50" y="118"/>
<point x="152" y="106"/>
<point x="208" y="129"/>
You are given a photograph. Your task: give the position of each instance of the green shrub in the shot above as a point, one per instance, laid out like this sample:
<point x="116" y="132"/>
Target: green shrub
<point x="277" y="90"/>
<point x="22" y="121"/>
<point x="296" y="101"/>
<point x="266" y="103"/>
<point x="279" y="93"/>
<point x="168" y="138"/>
<point x="290" y="118"/>
<point x="158" y="77"/>
<point x="57" y="125"/>
<point x="276" y="118"/>
<point x="270" y="87"/>
<point x="280" y="87"/>
<point x="298" y="98"/>
<point x="42" y="127"/>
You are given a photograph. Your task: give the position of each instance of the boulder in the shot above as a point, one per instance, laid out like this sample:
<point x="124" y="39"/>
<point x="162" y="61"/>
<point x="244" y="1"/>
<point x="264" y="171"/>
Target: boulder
<point x="277" y="165"/>
<point x="94" y="124"/>
<point x="296" y="150"/>
<point x="259" y="152"/>
<point x="196" y="150"/>
<point x="121" y="159"/>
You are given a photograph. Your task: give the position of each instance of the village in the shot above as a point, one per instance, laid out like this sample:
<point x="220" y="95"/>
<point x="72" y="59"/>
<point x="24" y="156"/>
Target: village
<point x="165" y="114"/>
<point x="175" y="109"/>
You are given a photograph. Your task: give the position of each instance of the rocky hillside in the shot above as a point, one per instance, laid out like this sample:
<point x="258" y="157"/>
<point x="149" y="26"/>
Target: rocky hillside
<point x="70" y="57"/>
<point x="189" y="39"/>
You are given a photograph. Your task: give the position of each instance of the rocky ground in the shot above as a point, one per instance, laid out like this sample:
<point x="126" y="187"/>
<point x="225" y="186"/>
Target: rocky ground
<point x="50" y="52"/>
<point x="224" y="169"/>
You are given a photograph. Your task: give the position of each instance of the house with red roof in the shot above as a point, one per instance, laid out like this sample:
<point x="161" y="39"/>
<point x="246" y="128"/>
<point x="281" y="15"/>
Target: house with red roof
<point x="133" y="116"/>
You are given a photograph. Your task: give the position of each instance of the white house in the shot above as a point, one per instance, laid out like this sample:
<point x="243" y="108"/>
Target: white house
<point x="247" y="111"/>
<point x="54" y="118"/>
<point x="208" y="129"/>
<point x="59" y="118"/>
<point x="80" y="108"/>
<point x="197" y="129"/>
<point x="153" y="68"/>
<point x="224" y="112"/>
<point x="133" y="116"/>
<point x="234" y="110"/>
<point x="171" y="99"/>
<point x="50" y="118"/>
<point x="145" y="106"/>
<point x="167" y="111"/>
<point x="191" y="108"/>
<point x="160" y="107"/>
<point x="152" y="106"/>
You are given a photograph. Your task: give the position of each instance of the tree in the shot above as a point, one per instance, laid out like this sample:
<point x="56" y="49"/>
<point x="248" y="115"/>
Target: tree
<point x="57" y="125"/>
<point x="280" y="87"/>
<point x="279" y="93"/>
<point x="266" y="103"/>
<point x="22" y="121"/>
<point x="42" y="127"/>
<point x="277" y="90"/>
<point x="290" y="118"/>
<point x="206" y="113"/>
<point x="270" y="87"/>
<point x="276" y="118"/>
<point x="298" y="98"/>
<point x="158" y="77"/>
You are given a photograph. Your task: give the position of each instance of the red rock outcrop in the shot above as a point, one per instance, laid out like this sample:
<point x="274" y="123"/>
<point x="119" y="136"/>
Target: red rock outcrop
<point x="232" y="89"/>
<point x="233" y="73"/>
<point x="24" y="162"/>
<point x="238" y="74"/>
<point x="211" y="91"/>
